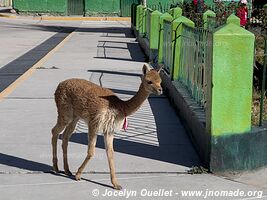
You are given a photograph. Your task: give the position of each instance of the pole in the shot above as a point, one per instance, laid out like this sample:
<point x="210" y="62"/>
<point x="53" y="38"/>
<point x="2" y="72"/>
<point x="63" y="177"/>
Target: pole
<point x="144" y="3"/>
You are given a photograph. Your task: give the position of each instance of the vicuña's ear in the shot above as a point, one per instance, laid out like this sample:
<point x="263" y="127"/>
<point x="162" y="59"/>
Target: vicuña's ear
<point x="159" y="68"/>
<point x="146" y="68"/>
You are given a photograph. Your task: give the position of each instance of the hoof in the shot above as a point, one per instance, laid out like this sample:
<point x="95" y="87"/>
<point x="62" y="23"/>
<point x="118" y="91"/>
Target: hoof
<point x="117" y="187"/>
<point x="78" y="176"/>
<point x="68" y="173"/>
<point x="55" y="168"/>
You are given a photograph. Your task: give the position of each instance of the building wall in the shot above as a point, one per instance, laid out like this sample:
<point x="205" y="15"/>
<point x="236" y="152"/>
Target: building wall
<point x="102" y="7"/>
<point x="156" y="2"/>
<point x="58" y="7"/>
<point x="5" y="3"/>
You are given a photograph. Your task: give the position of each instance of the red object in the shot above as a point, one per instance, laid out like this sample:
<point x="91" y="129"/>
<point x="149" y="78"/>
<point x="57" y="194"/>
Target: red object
<point x="125" y="124"/>
<point x="195" y="2"/>
<point x="242" y="13"/>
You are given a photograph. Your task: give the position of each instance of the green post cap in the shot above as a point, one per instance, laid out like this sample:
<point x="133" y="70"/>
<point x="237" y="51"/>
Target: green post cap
<point x="165" y="16"/>
<point x="233" y="19"/>
<point x="208" y="13"/>
<point x="176" y="12"/>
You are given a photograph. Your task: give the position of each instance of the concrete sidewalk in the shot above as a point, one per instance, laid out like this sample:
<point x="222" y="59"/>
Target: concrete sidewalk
<point x="154" y="154"/>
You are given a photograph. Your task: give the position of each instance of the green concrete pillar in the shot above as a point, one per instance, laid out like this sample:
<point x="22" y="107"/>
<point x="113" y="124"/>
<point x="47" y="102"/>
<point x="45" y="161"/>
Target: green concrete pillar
<point x="138" y="17"/>
<point x="208" y="13"/>
<point x="233" y="19"/>
<point x="233" y="54"/>
<point x="177" y="31"/>
<point x="154" y="34"/>
<point x="233" y="146"/>
<point x="144" y="14"/>
<point x="176" y="12"/>
<point x="165" y="16"/>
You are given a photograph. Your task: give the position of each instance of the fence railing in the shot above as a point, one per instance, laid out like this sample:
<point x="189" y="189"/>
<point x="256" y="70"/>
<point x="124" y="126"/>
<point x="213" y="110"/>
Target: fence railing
<point x="216" y="69"/>
<point x="195" y="61"/>
<point x="160" y="7"/>
<point x="211" y="23"/>
<point x="167" y="45"/>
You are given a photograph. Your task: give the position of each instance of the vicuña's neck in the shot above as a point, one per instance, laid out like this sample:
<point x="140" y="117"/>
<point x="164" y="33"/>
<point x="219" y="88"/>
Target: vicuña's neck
<point x="133" y="104"/>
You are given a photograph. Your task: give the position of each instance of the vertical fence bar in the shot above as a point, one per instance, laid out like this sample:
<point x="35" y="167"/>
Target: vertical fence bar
<point x="263" y="85"/>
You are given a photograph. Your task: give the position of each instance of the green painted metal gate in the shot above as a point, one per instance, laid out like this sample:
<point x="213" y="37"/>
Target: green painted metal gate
<point x="126" y="7"/>
<point x="75" y="7"/>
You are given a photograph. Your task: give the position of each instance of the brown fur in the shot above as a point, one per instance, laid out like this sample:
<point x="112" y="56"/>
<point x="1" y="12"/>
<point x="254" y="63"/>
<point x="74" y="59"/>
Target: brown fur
<point x="101" y="109"/>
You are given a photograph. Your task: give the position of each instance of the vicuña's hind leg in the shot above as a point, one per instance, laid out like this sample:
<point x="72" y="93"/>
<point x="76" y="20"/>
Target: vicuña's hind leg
<point x="58" y="128"/>
<point x="92" y="137"/>
<point x="66" y="136"/>
<point x="109" y="150"/>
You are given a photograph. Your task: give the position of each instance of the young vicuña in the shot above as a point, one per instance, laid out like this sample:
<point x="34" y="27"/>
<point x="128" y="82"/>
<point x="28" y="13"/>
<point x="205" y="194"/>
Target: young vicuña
<point x="103" y="112"/>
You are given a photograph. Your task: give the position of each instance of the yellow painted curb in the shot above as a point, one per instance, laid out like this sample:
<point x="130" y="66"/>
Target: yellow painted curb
<point x="7" y="16"/>
<point x="30" y="71"/>
<point x="84" y="18"/>
<point x="69" y="18"/>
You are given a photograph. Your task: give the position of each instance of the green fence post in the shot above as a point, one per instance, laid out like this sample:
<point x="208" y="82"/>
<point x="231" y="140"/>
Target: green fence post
<point x="233" y="19"/>
<point x="165" y="16"/>
<point x="177" y="31"/>
<point x="232" y="73"/>
<point x="144" y="13"/>
<point x="138" y="19"/>
<point x="176" y="12"/>
<point x="133" y="14"/>
<point x="208" y="13"/>
<point x="154" y="34"/>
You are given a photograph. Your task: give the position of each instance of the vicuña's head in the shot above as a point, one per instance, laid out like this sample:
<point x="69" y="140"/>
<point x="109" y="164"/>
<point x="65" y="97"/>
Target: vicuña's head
<point x="151" y="80"/>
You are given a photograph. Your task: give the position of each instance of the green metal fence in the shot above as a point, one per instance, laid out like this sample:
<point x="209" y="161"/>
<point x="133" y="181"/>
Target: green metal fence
<point x="215" y="22"/>
<point x="196" y="61"/>
<point x="167" y="46"/>
<point x="160" y="7"/>
<point x="125" y="7"/>
<point x="211" y="23"/>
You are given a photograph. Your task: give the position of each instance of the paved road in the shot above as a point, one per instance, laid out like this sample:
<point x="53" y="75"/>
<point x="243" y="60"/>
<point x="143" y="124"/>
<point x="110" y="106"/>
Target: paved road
<point x="155" y="153"/>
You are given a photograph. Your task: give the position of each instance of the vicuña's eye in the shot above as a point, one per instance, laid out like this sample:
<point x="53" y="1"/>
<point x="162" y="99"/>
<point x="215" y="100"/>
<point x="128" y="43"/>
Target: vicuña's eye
<point x="149" y="82"/>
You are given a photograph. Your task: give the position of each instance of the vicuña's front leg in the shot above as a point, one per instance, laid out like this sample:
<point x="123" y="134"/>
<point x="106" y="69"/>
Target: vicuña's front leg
<point x="110" y="152"/>
<point x="92" y="137"/>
